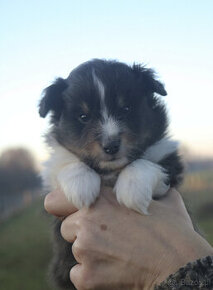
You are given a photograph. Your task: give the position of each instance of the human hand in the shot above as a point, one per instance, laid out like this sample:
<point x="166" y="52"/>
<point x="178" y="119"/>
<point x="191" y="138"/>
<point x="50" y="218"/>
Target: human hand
<point x="117" y="248"/>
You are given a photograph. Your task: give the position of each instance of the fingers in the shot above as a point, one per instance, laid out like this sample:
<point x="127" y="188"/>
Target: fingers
<point x="172" y="198"/>
<point x="75" y="274"/>
<point x="82" y="277"/>
<point x="73" y="230"/>
<point x="69" y="228"/>
<point x="57" y="204"/>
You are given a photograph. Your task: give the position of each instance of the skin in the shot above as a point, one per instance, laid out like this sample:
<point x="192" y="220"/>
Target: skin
<point x="118" y="248"/>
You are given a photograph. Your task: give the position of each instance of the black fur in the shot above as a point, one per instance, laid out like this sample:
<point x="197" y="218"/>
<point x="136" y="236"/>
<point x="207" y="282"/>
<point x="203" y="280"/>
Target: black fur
<point x="53" y="101"/>
<point x="144" y="123"/>
<point x="62" y="261"/>
<point x="136" y="86"/>
<point x="174" y="167"/>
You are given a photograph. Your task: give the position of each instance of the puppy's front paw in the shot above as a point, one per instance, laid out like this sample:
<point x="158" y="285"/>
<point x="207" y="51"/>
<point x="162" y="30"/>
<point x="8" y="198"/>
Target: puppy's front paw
<point x="138" y="182"/>
<point x="80" y="184"/>
<point x="132" y="192"/>
<point x="161" y="188"/>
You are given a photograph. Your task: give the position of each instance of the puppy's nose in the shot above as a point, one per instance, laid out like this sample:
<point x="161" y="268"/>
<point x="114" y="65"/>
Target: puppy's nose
<point x="112" y="147"/>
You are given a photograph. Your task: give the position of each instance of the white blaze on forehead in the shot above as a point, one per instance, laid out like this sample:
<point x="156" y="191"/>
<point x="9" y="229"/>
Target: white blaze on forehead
<point x="100" y="87"/>
<point x="109" y="125"/>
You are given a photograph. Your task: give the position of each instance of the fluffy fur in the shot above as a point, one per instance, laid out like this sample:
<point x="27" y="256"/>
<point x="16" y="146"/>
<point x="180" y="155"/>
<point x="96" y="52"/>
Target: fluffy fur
<point x="109" y="126"/>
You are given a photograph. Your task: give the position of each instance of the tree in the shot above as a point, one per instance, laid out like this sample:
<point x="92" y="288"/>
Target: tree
<point x="18" y="171"/>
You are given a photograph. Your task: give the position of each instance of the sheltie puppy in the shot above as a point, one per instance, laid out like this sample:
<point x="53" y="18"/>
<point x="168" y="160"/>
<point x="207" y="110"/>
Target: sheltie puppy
<point x="108" y="126"/>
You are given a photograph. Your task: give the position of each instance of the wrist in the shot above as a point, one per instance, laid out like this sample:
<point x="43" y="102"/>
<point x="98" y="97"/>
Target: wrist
<point x="190" y="251"/>
<point x="197" y="273"/>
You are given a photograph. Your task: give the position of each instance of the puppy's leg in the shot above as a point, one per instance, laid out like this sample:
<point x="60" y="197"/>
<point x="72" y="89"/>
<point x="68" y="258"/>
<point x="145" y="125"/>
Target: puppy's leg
<point x="63" y="260"/>
<point x="80" y="183"/>
<point x="173" y="164"/>
<point x="138" y="182"/>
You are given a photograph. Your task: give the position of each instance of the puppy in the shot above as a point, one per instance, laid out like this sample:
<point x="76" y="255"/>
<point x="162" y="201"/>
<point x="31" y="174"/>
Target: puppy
<point x="109" y="127"/>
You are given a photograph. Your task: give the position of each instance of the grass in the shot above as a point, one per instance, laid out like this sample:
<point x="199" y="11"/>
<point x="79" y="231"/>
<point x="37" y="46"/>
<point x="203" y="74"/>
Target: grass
<point x="25" y="248"/>
<point x="206" y="225"/>
<point x="197" y="191"/>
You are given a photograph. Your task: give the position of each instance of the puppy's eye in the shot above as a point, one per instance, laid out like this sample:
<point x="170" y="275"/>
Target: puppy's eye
<point x="84" y="118"/>
<point x="125" y="110"/>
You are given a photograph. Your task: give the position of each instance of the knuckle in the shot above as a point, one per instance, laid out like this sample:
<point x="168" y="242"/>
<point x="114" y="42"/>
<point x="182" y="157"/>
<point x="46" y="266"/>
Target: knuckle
<point x="86" y="282"/>
<point x="82" y="222"/>
<point x="49" y="204"/>
<point x="66" y="228"/>
<point x="80" y="247"/>
<point x="85" y="231"/>
<point x="83" y="277"/>
<point x="86" y="241"/>
<point x="77" y="250"/>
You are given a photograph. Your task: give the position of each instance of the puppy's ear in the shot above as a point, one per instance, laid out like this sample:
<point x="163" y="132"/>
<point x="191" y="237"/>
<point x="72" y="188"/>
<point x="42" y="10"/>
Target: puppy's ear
<point x="53" y="100"/>
<point x="148" y="80"/>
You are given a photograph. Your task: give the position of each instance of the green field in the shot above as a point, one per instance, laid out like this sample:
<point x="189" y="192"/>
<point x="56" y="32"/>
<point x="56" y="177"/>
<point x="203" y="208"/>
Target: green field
<point x="25" y="248"/>
<point x="197" y="191"/>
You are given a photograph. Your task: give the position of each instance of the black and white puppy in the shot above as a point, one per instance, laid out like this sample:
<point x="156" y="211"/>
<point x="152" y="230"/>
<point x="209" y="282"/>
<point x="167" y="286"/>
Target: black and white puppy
<point x="109" y="126"/>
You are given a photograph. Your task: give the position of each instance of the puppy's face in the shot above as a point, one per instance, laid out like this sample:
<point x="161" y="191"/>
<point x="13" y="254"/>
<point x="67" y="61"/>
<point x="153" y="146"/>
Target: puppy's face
<point x="106" y="113"/>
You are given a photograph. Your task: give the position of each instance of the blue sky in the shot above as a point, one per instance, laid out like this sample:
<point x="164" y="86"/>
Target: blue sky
<point x="41" y="40"/>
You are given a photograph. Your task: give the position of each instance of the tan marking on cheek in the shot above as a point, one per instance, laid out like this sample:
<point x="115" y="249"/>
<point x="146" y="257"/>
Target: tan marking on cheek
<point x="128" y="139"/>
<point x="79" y="151"/>
<point x="91" y="148"/>
<point x="94" y="149"/>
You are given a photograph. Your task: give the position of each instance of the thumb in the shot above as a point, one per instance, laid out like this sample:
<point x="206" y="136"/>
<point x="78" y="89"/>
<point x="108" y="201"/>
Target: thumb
<point x="173" y="201"/>
<point x="172" y="198"/>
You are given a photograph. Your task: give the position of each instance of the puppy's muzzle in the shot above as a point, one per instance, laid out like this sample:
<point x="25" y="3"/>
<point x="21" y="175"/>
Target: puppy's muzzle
<point x="112" y="147"/>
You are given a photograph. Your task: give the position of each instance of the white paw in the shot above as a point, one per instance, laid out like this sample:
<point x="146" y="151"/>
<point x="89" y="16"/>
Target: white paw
<point x="138" y="182"/>
<point x="130" y="193"/>
<point x="80" y="184"/>
<point x="161" y="188"/>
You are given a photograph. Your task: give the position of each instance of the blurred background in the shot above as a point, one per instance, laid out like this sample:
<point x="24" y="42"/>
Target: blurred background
<point x="41" y="40"/>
